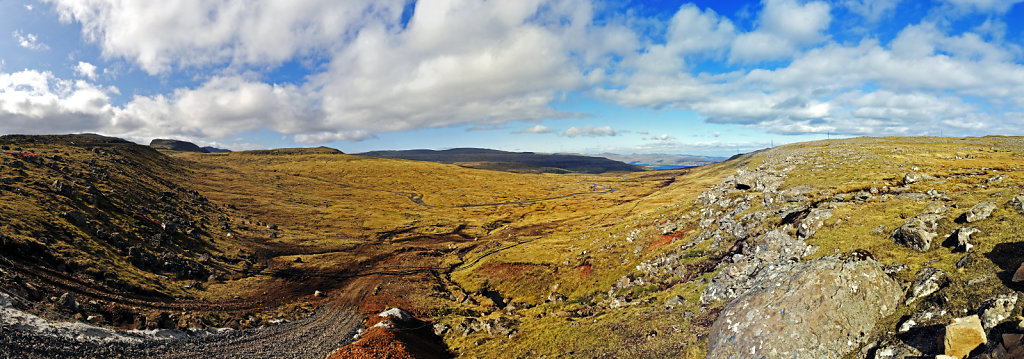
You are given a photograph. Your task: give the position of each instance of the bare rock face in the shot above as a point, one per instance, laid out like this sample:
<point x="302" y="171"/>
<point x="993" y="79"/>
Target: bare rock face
<point x="823" y="308"/>
<point x="962" y="336"/>
<point x="918" y="232"/>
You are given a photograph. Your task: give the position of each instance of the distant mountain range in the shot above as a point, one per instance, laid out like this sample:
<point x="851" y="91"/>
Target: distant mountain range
<point x="660" y="161"/>
<point x="528" y="162"/>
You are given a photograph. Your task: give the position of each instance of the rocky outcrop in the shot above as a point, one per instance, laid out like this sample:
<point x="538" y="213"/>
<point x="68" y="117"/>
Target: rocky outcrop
<point x="821" y="308"/>
<point x="918" y="232"/>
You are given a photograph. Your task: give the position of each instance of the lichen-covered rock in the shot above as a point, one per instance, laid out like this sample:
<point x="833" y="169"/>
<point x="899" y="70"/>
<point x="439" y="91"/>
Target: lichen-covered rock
<point x="927" y="281"/>
<point x="963" y="238"/>
<point x="896" y="350"/>
<point x="997" y="309"/>
<point x="918" y="232"/>
<point x="821" y="308"/>
<point x="773" y="249"/>
<point x="814" y="220"/>
<point x="963" y="336"/>
<point x="979" y="212"/>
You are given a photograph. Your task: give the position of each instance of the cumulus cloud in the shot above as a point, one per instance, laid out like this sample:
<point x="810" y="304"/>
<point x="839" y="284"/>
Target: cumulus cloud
<point x="535" y="129"/>
<point x="784" y="26"/>
<point x="591" y="131"/>
<point x="33" y="101"/>
<point x="161" y="35"/>
<point x="86" y="69"/>
<point x="28" y="41"/>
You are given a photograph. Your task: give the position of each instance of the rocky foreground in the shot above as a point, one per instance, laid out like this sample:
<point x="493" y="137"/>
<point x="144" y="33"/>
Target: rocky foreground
<point x="943" y="281"/>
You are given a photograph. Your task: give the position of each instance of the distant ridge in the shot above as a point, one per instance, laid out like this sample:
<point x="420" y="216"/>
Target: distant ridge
<point x="663" y="161"/>
<point x="212" y="149"/>
<point x="529" y="162"/>
<point x="176" y="145"/>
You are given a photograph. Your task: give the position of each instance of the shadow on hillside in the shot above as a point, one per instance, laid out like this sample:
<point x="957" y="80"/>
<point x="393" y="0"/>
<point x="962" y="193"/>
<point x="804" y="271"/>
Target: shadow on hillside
<point x="1008" y="256"/>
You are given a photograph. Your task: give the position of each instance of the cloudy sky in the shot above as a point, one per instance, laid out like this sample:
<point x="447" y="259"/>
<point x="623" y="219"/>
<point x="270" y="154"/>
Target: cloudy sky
<point x="707" y="77"/>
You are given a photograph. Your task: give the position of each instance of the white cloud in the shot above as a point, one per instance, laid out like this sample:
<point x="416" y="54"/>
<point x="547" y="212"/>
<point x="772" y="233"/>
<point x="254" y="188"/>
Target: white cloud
<point x="161" y="35"/>
<point x="983" y="6"/>
<point x="871" y="10"/>
<point x="509" y="62"/>
<point x="784" y="26"/>
<point x="535" y="129"/>
<point x="28" y="41"/>
<point x="86" y="69"/>
<point x="591" y="131"/>
<point x="28" y="7"/>
<point x="33" y="101"/>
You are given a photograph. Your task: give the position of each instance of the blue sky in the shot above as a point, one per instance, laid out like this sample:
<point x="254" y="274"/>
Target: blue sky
<point x="704" y="77"/>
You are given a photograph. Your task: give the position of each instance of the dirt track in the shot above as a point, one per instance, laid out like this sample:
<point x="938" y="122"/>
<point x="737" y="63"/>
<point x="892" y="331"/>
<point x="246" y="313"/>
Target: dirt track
<point x="312" y="337"/>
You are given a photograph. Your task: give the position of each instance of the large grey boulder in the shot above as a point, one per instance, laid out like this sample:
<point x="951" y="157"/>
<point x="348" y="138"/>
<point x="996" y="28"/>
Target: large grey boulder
<point x="918" y="232"/>
<point x="823" y="308"/>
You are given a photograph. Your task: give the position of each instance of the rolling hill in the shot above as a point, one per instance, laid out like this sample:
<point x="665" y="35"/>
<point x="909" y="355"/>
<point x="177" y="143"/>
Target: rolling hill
<point x="841" y="248"/>
<point x="524" y="162"/>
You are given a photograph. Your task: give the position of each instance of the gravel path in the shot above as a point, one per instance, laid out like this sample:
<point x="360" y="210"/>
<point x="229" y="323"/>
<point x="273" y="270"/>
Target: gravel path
<point x="312" y="337"/>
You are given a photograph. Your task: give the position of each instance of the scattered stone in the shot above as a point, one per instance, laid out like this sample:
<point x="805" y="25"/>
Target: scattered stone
<point x="318" y="294"/>
<point x="979" y="212"/>
<point x="669" y="227"/>
<point x="67" y="301"/>
<point x="674" y="301"/>
<point x="60" y="187"/>
<point x="440" y="329"/>
<point x="824" y="307"/>
<point x="926" y="282"/>
<point x="928" y="317"/>
<point x="916" y="177"/>
<point x="396" y="313"/>
<point x="995" y="179"/>
<point x="963" y="238"/>
<point x="997" y="310"/>
<point x="1018" y="201"/>
<point x="895" y="350"/>
<point x="1018" y="276"/>
<point x="814" y="220"/>
<point x="963" y="336"/>
<point x="918" y="232"/>
<point x="894" y="268"/>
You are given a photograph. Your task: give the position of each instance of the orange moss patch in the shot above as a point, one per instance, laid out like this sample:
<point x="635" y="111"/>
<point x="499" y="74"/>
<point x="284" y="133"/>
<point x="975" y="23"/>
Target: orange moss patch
<point x="665" y="240"/>
<point x="585" y="270"/>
